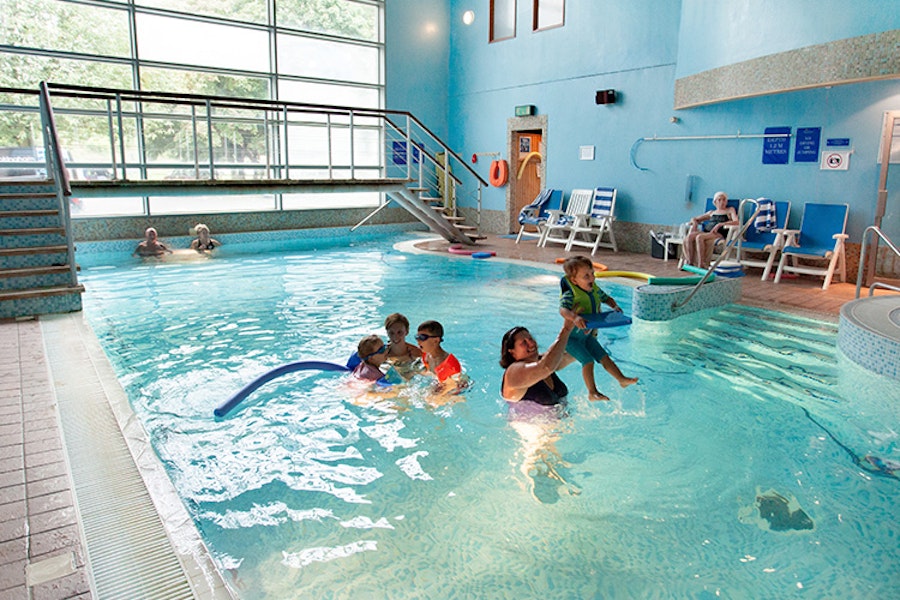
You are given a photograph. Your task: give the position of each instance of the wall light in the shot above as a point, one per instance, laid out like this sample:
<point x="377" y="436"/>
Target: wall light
<point x="469" y="17"/>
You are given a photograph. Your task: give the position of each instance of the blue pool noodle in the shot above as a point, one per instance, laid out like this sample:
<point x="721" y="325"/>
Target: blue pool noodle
<point x="303" y="365"/>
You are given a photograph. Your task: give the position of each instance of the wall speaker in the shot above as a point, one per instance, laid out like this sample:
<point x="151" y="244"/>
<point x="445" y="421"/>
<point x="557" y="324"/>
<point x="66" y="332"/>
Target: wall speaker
<point x="605" y="97"/>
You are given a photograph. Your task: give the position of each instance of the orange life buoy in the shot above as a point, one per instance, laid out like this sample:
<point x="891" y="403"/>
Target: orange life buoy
<point x="499" y="173"/>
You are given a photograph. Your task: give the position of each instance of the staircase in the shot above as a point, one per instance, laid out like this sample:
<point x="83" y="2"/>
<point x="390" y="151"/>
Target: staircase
<point x="37" y="274"/>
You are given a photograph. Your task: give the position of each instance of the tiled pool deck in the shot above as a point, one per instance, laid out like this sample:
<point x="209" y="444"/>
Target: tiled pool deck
<point x="41" y="532"/>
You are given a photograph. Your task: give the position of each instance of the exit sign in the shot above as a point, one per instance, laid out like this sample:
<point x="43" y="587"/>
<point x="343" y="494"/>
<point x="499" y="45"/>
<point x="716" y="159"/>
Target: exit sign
<point x="526" y="110"/>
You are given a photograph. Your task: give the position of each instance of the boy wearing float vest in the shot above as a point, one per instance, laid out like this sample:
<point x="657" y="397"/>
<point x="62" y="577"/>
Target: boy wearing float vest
<point x="580" y="295"/>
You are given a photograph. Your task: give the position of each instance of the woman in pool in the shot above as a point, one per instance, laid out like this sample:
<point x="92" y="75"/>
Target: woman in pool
<point x="529" y="376"/>
<point x="203" y="243"/>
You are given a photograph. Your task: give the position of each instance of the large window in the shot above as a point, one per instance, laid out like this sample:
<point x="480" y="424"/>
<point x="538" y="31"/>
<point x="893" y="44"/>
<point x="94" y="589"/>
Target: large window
<point x="314" y="51"/>
<point x="503" y="20"/>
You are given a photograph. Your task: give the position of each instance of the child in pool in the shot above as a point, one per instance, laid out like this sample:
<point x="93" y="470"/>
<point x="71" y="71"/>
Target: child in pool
<point x="580" y="295"/>
<point x="400" y="353"/>
<point x="372" y="353"/>
<point x="438" y="361"/>
<point x="203" y="243"/>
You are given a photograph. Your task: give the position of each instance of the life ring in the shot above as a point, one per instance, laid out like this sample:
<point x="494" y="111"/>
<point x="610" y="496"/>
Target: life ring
<point x="598" y="266"/>
<point x="633" y="274"/>
<point x="499" y="173"/>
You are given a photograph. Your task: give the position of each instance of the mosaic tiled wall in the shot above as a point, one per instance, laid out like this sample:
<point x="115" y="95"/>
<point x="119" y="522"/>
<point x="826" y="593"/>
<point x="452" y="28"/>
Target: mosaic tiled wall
<point x="867" y="57"/>
<point x="654" y="302"/>
<point x="114" y="228"/>
<point x="868" y="349"/>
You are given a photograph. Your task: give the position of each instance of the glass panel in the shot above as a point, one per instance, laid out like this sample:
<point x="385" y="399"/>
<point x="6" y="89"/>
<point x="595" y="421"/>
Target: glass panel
<point x="25" y="71"/>
<point x="548" y="13"/>
<point x="332" y="95"/>
<point x="308" y="57"/>
<point x="211" y="84"/>
<point x="250" y="11"/>
<point x="337" y="17"/>
<point x="182" y="41"/>
<point x="330" y="200"/>
<point x="106" y="207"/>
<point x="160" y="205"/>
<point x="503" y="19"/>
<point x="65" y="26"/>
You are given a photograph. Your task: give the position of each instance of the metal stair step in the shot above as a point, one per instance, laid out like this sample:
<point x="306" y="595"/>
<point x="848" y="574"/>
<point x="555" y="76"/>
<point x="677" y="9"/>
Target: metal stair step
<point x="29" y="271"/>
<point x="33" y="231"/>
<point x="466" y="227"/>
<point x="56" y="290"/>
<point x="28" y="213"/>
<point x="34" y="250"/>
<point x="457" y="219"/>
<point x="8" y="196"/>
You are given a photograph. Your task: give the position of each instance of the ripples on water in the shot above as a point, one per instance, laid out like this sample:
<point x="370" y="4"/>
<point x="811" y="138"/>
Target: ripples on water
<point x="305" y="491"/>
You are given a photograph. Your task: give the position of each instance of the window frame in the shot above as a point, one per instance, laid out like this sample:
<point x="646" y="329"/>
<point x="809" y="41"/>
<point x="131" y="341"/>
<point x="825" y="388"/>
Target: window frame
<point x="535" y="25"/>
<point x="492" y="24"/>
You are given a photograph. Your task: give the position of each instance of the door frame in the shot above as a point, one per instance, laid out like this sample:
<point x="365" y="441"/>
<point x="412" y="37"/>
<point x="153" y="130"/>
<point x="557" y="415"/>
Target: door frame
<point x="513" y="126"/>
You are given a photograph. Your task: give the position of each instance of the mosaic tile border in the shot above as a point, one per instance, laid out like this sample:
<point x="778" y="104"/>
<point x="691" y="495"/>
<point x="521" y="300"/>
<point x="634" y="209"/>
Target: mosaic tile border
<point x="867" y="57"/>
<point x="654" y="302"/>
<point x="868" y="349"/>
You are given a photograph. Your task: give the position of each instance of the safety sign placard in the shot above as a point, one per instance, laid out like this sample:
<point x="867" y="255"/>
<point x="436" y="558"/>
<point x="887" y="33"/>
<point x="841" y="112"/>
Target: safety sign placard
<point x="835" y="160"/>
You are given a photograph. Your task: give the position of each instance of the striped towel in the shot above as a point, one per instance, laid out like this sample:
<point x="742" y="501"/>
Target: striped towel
<point x="765" y="219"/>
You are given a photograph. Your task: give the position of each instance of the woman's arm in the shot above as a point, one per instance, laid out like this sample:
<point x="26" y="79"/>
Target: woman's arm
<point x="520" y="376"/>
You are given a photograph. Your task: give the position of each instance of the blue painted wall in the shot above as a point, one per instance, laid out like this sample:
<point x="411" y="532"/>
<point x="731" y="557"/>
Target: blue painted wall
<point x="715" y="34"/>
<point x="633" y="47"/>
<point x="417" y="49"/>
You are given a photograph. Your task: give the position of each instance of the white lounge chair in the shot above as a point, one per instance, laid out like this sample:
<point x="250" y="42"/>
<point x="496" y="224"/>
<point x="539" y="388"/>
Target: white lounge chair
<point x="558" y="228"/>
<point x="589" y="229"/>
<point x="536" y="213"/>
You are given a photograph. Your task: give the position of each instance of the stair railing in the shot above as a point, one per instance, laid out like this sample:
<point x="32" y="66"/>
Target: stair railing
<point x="728" y="246"/>
<point x="862" y="259"/>
<point x="57" y="167"/>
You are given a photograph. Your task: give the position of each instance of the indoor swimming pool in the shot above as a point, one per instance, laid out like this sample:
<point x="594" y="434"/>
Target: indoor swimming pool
<point x="751" y="460"/>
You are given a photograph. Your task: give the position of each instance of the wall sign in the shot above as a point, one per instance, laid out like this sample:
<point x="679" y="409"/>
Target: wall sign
<point x="776" y="146"/>
<point x="837" y="142"/>
<point x="806" y="148"/>
<point x="835" y="160"/>
<point x="398" y="153"/>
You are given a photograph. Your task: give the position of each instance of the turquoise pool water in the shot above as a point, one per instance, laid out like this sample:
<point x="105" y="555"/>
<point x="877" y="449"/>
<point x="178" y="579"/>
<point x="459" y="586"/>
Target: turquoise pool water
<point x="735" y="468"/>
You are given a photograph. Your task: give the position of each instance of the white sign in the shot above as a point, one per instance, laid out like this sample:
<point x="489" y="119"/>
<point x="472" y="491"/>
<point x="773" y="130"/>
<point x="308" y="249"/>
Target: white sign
<point x="835" y="160"/>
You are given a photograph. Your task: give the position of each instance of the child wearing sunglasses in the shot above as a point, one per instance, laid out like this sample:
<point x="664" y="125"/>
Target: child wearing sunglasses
<point x="372" y="353"/>
<point x="436" y="360"/>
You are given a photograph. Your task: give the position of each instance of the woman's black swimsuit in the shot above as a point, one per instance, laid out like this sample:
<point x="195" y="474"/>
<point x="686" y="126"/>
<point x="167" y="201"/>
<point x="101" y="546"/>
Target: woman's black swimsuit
<point x="715" y="220"/>
<point x="543" y="394"/>
<point x="209" y="246"/>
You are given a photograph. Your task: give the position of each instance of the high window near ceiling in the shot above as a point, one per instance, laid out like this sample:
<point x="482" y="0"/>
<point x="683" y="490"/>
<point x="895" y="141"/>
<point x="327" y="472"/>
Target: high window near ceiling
<point x="548" y="14"/>
<point x="503" y="20"/>
<point x="311" y="51"/>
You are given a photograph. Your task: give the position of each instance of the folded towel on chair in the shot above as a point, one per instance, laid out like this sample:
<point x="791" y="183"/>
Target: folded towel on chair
<point x="765" y="219"/>
<point x="536" y="207"/>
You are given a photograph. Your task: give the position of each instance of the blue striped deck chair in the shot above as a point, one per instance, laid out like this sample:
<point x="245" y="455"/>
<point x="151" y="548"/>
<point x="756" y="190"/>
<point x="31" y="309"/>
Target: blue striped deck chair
<point x="561" y="222"/>
<point x="820" y="238"/>
<point x="535" y="214"/>
<point x="590" y="228"/>
<point x="760" y="236"/>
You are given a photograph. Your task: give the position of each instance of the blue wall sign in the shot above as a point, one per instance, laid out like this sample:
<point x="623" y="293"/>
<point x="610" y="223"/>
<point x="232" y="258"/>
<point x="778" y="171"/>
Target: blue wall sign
<point x="837" y="142"/>
<point x="806" y="148"/>
<point x="776" y="146"/>
<point x="399" y="153"/>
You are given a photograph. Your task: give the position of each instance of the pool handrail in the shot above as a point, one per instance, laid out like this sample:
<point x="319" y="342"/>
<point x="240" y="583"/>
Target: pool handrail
<point x="862" y="260"/>
<point x="730" y="244"/>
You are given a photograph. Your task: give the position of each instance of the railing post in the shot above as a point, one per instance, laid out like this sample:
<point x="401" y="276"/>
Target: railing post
<point x="330" y="149"/>
<point x="209" y="140"/>
<point x="194" y="141"/>
<point x="352" y="161"/>
<point x="409" y="149"/>
<point x="112" y="138"/>
<point x="287" y="162"/>
<point x="121" y="127"/>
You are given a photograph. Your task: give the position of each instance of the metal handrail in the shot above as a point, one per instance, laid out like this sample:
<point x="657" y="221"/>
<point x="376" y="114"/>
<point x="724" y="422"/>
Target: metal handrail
<point x="862" y="259"/>
<point x="64" y="190"/>
<point x="728" y="245"/>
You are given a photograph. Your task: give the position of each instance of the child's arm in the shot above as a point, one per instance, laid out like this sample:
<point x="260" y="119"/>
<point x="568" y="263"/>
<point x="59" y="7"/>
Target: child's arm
<point x="570" y="315"/>
<point x="611" y="302"/>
